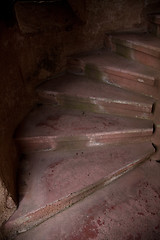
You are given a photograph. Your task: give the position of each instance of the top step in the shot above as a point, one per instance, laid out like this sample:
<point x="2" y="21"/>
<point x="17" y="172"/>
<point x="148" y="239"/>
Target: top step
<point x="141" y="47"/>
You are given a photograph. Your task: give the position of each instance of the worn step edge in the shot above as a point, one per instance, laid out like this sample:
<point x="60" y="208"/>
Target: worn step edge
<point x="46" y="143"/>
<point x="138" y="46"/>
<point x="79" y="66"/>
<point x="137" y="86"/>
<point x="101" y="104"/>
<point x="146" y="107"/>
<point x="136" y="77"/>
<point x="33" y="219"/>
<point x="131" y="81"/>
<point x="135" y="53"/>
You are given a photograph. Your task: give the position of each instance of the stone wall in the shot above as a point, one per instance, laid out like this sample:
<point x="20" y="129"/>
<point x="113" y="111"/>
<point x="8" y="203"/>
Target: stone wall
<point x="35" y="49"/>
<point x="54" y="31"/>
<point x="15" y="101"/>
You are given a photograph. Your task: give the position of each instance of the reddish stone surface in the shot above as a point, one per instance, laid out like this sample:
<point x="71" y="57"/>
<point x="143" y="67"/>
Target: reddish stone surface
<point x="126" y="209"/>
<point x="141" y="47"/>
<point x="56" y="31"/>
<point x="145" y="49"/>
<point x="27" y="60"/>
<point x="55" y="176"/>
<point x="112" y="63"/>
<point x="114" y="69"/>
<point x="16" y="100"/>
<point x="140" y="41"/>
<point x="69" y="90"/>
<point x="48" y="127"/>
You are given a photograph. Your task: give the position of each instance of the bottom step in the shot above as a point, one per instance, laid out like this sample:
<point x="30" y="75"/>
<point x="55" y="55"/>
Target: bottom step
<point x="127" y="209"/>
<point x="53" y="181"/>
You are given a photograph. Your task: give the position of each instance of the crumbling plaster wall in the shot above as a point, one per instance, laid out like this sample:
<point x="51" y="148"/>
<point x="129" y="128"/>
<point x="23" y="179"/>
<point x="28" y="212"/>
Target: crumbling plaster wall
<point x="35" y="49"/>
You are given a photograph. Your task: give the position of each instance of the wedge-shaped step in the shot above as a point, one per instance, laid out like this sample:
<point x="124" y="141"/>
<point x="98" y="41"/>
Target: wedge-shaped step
<point x="154" y="24"/>
<point x="56" y="180"/>
<point x="85" y="94"/>
<point x="141" y="47"/>
<point x="111" y="68"/>
<point x="127" y="207"/>
<point x="49" y="128"/>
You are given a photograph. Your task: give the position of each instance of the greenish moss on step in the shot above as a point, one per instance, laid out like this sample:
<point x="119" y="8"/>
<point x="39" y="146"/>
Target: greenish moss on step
<point x="76" y="103"/>
<point x="123" y="51"/>
<point x="93" y="72"/>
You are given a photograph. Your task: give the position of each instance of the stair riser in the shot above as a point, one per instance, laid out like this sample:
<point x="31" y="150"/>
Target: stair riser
<point x="141" y="48"/>
<point x="29" y="221"/>
<point x="133" y="85"/>
<point x="125" y="82"/>
<point x="83" y="67"/>
<point x="34" y="144"/>
<point x="120" y="78"/>
<point x="130" y="76"/>
<point x="136" y="55"/>
<point x="129" y="109"/>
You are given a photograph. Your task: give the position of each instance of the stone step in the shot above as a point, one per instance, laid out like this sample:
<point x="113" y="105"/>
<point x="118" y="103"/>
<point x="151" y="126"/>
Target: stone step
<point x="118" y="211"/>
<point x="82" y="93"/>
<point x="141" y="47"/>
<point x="49" y="128"/>
<point x="113" y="69"/>
<point x="53" y="181"/>
<point x="154" y="24"/>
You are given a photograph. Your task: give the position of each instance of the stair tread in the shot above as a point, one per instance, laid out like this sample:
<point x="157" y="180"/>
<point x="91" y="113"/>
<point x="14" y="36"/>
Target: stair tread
<point x="51" y="176"/>
<point x="112" y="63"/>
<point x="140" y="41"/>
<point x="130" y="205"/>
<point x="81" y="86"/>
<point x="53" y="121"/>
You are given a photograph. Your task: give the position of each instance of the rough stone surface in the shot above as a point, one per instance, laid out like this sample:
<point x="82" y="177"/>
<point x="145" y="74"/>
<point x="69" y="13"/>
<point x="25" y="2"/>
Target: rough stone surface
<point x="48" y="128"/>
<point x="7" y="205"/>
<point x="88" y="94"/>
<point x="15" y="101"/>
<point x="59" y="34"/>
<point x="129" y="210"/>
<point x="105" y="15"/>
<point x="111" y="68"/>
<point x="27" y="60"/>
<point x="62" y="178"/>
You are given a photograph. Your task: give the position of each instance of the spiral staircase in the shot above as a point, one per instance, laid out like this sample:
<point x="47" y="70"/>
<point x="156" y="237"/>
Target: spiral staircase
<point x="92" y="141"/>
